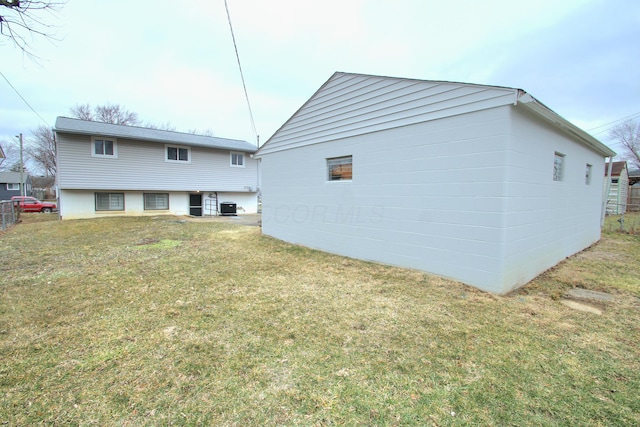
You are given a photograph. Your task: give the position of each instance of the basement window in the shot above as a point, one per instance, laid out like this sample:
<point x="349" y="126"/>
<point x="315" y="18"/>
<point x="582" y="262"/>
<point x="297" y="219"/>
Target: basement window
<point x="109" y="201"/>
<point x="156" y="201"/>
<point x="558" y="167"/>
<point x="340" y="168"/>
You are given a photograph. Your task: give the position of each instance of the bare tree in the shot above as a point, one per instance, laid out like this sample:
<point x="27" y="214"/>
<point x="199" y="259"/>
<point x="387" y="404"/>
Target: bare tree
<point x="116" y="114"/>
<point x="628" y="135"/>
<point x="82" y="111"/>
<point x="206" y="132"/>
<point x="20" y="20"/>
<point x="162" y="126"/>
<point x="42" y="150"/>
<point x="12" y="155"/>
<point x="108" y="113"/>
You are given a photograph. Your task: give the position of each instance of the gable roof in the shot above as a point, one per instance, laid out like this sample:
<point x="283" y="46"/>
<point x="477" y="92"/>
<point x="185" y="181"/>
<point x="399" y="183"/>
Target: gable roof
<point x="86" y="127"/>
<point x="351" y="104"/>
<point x="12" y="177"/>
<point x="616" y="168"/>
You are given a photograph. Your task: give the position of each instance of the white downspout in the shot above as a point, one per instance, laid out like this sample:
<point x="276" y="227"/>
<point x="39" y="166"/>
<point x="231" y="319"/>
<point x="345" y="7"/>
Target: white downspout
<point x="605" y="198"/>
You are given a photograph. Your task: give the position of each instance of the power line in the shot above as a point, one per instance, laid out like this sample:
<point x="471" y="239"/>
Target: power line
<point x="629" y="117"/>
<point x="24" y="100"/>
<point x="246" y="95"/>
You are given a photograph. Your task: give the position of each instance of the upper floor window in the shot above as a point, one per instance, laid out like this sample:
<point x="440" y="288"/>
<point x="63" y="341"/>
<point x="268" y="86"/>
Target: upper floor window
<point x="103" y="147"/>
<point x="237" y="160"/>
<point x="340" y="168"/>
<point x="558" y="167"/>
<point x="176" y="153"/>
<point x="587" y="175"/>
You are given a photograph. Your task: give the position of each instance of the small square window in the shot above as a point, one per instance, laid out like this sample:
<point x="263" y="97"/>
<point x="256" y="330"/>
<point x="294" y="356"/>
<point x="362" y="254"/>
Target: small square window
<point x="558" y="167"/>
<point x="156" y="201"/>
<point x="340" y="168"/>
<point x="175" y="153"/>
<point x="587" y="175"/>
<point x="237" y="160"/>
<point x="102" y="147"/>
<point x="109" y="201"/>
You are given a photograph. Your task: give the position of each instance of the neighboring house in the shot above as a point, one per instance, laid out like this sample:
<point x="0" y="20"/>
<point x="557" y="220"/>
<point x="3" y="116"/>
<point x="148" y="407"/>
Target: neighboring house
<point x="618" y="187"/>
<point x="482" y="184"/>
<point x="634" y="176"/>
<point x="105" y="169"/>
<point x="43" y="187"/>
<point x="10" y="185"/>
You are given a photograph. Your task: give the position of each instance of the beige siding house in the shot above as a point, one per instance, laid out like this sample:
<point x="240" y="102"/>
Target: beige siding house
<point x="106" y="169"/>
<point x="482" y="184"/>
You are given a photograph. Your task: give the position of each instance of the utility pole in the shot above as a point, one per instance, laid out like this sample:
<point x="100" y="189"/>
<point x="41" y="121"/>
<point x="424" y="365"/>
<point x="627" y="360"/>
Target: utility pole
<point x="22" y="189"/>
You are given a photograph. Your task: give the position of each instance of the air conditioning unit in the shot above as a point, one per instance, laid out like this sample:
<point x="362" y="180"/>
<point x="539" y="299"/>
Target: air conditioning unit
<point x="227" y="208"/>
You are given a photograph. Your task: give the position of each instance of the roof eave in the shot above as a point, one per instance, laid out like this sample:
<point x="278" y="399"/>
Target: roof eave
<point x="539" y="108"/>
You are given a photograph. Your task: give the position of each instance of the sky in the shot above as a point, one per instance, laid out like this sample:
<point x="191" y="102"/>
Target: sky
<point x="174" y="62"/>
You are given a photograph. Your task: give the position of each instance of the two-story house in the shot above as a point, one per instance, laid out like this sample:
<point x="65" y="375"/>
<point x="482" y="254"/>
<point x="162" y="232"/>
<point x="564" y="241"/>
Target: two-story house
<point x="106" y="169"/>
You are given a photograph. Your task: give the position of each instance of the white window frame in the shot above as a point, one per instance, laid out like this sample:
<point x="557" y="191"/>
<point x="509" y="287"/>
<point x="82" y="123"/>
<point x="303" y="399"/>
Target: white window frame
<point x="146" y="204"/>
<point x="104" y="156"/>
<point x="338" y="161"/>
<point x="178" y="148"/>
<point x="12" y="186"/>
<point x="237" y="155"/>
<point x="559" y="161"/>
<point x="110" y="195"/>
<point x="588" y="173"/>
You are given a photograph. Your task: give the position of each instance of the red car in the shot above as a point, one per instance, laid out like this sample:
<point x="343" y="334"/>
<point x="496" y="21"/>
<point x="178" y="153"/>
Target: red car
<point x="31" y="204"/>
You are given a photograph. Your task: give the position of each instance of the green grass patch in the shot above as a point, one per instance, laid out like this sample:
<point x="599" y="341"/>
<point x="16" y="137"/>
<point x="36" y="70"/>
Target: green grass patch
<point x="153" y="321"/>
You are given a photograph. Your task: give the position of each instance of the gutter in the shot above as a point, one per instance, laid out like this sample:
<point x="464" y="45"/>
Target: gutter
<point x="548" y="114"/>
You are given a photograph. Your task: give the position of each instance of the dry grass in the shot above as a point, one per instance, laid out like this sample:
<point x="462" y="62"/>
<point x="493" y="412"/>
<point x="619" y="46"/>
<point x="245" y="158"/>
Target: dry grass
<point x="140" y="321"/>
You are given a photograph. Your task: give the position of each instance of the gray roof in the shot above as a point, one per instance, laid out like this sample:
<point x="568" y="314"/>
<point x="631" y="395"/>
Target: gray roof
<point x="85" y="127"/>
<point x="12" y="177"/>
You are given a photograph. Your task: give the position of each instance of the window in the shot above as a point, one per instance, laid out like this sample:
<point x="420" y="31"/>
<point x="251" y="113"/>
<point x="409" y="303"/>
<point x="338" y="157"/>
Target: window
<point x="558" y="167"/>
<point x="101" y="147"/>
<point x="13" y="186"/>
<point x="587" y="175"/>
<point x="153" y="201"/>
<point x="175" y="153"/>
<point x="109" y="201"/>
<point x="340" y="168"/>
<point x="237" y="160"/>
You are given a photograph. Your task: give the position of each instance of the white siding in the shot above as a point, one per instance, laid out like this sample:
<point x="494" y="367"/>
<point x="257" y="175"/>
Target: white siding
<point x="140" y="165"/>
<point x="618" y="193"/>
<point x="349" y="105"/>
<point x="546" y="220"/>
<point x="429" y="196"/>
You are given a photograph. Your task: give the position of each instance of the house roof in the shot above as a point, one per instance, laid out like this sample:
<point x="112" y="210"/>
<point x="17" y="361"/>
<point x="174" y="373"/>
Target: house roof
<point x="12" y="177"/>
<point x="351" y="104"/>
<point x="85" y="127"/>
<point x="616" y="168"/>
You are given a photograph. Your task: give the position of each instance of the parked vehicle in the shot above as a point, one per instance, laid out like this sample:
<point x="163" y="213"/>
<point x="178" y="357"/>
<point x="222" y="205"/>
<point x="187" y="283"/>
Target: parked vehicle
<point x="31" y="204"/>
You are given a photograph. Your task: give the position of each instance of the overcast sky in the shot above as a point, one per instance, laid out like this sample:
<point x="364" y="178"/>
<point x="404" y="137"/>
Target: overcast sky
<point x="174" y="61"/>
